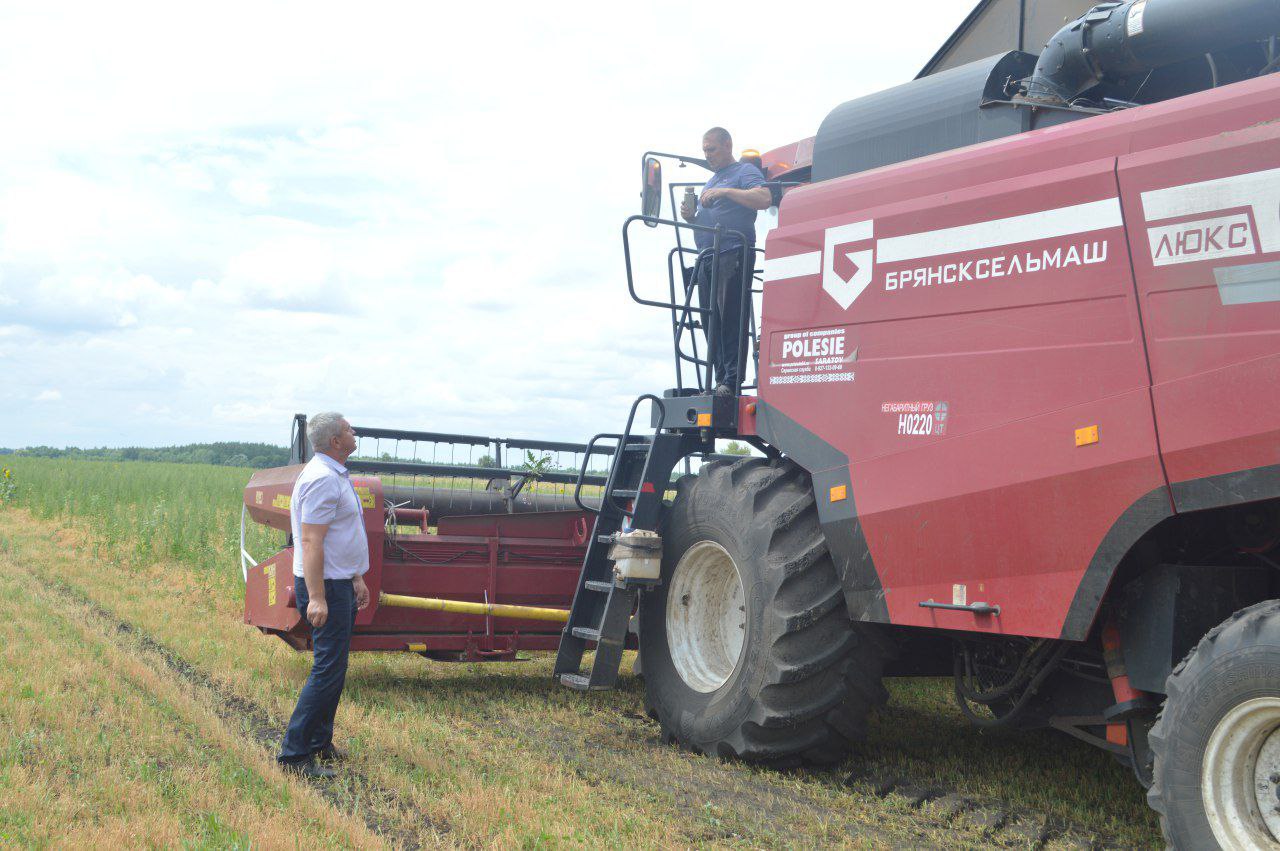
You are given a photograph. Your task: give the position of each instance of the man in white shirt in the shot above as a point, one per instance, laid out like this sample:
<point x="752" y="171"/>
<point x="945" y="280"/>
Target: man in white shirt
<point x="330" y="558"/>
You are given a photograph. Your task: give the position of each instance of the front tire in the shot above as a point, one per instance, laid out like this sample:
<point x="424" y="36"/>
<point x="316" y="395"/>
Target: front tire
<point x="748" y="649"/>
<point x="1216" y="781"/>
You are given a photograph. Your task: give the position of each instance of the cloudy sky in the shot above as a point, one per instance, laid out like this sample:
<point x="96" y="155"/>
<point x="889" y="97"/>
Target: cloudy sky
<point x="214" y="216"/>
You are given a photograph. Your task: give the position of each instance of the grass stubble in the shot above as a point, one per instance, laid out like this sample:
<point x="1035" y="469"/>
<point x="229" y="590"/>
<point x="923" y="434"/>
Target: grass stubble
<point x="102" y="741"/>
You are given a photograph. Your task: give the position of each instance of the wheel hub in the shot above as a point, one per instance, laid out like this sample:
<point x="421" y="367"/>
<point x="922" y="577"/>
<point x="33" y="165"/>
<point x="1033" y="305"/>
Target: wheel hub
<point x="1240" y="777"/>
<point x="706" y="616"/>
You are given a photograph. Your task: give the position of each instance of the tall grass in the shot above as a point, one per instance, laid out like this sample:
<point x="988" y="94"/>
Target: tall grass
<point x="144" y="512"/>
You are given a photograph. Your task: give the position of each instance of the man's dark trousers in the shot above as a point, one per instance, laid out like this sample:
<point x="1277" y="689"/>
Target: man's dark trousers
<point x="725" y="333"/>
<point x="311" y="727"/>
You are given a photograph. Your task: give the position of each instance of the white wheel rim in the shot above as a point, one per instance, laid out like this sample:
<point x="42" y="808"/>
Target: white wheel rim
<point x="706" y="616"/>
<point x="1241" y="798"/>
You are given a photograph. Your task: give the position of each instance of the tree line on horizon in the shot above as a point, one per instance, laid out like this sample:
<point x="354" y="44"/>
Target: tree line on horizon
<point x="222" y="454"/>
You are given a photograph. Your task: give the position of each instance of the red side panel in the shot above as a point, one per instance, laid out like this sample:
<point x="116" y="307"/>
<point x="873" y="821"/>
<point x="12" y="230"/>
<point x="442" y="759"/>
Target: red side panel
<point x="958" y="327"/>
<point x="268" y="595"/>
<point x="1206" y="247"/>
<point x="995" y="321"/>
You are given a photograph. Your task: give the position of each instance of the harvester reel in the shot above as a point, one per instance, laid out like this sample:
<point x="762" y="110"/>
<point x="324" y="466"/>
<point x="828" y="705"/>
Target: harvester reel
<point x="748" y="649"/>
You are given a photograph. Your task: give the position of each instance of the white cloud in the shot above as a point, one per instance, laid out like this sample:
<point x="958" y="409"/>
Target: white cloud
<point x="49" y="396"/>
<point x="215" y="216"/>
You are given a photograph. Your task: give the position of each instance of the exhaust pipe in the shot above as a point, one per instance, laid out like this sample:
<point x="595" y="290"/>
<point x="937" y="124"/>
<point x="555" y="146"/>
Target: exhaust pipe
<point x="1120" y="39"/>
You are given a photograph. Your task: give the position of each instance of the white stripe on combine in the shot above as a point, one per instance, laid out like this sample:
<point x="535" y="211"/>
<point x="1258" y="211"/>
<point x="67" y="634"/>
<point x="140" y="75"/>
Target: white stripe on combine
<point x="795" y="266"/>
<point x="1046" y="224"/>
<point x="1259" y="190"/>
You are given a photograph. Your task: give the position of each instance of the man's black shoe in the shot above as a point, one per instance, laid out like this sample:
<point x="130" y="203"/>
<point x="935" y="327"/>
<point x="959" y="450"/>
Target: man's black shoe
<point x="309" y="769"/>
<point x="330" y="754"/>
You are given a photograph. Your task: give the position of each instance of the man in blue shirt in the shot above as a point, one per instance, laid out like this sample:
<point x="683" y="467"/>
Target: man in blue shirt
<point x="730" y="199"/>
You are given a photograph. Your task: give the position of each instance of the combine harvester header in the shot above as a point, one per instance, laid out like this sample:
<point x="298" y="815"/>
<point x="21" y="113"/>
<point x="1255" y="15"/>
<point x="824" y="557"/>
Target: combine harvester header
<point x="468" y="559"/>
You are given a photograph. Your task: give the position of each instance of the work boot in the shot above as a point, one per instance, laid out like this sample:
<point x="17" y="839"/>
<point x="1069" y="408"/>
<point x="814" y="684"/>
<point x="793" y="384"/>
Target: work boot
<point x="723" y="390"/>
<point x="329" y="754"/>
<point x="309" y="769"/>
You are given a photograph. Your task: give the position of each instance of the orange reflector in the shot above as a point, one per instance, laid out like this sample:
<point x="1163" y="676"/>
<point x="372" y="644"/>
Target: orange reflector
<point x="647" y="487"/>
<point x="704" y="419"/>
<point x="839" y="492"/>
<point x="1118" y="734"/>
<point x="1085" y="436"/>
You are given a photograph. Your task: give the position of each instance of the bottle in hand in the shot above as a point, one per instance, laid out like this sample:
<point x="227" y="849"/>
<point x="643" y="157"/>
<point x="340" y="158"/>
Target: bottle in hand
<point x="690" y="204"/>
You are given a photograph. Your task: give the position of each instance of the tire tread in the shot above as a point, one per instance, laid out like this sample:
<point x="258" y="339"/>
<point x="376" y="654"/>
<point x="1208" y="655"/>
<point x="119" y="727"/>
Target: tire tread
<point x="822" y="670"/>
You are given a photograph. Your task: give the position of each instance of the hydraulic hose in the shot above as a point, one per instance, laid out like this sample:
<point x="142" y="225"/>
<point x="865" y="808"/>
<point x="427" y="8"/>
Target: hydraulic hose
<point x="1020" y="705"/>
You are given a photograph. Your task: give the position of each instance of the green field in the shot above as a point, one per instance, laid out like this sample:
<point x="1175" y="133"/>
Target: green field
<point x="137" y="709"/>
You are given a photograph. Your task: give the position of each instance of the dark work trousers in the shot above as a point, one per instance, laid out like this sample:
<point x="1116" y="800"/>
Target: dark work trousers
<point x="311" y="727"/>
<point x="725" y="331"/>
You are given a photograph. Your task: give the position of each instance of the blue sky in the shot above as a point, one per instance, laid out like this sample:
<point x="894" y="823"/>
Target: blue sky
<point x="213" y="217"/>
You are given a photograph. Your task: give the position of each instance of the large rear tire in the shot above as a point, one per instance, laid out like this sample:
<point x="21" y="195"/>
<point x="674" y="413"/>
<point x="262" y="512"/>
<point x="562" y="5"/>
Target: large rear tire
<point x="1216" y="781"/>
<point x="748" y="649"/>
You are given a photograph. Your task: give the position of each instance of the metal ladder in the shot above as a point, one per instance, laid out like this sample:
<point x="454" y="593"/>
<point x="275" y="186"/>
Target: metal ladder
<point x="603" y="603"/>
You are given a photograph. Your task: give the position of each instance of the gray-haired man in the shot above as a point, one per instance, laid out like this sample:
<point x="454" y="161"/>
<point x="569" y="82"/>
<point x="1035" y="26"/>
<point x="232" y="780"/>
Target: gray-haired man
<point x="330" y="558"/>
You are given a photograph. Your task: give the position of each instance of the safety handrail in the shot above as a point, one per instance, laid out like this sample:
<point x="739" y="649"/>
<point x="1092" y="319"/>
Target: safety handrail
<point x="713" y="325"/>
<point x="582" y="474"/>
<point x="622" y="445"/>
<point x="717" y="233"/>
<point x="680" y="322"/>
<point x="684" y="320"/>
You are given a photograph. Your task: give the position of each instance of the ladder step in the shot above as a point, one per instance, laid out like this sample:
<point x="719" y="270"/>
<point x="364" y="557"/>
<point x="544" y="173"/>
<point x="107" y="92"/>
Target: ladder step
<point x="625" y="493"/>
<point x="577" y="682"/>
<point x="637" y="447"/>
<point x="586" y="633"/>
<point x="602" y="587"/>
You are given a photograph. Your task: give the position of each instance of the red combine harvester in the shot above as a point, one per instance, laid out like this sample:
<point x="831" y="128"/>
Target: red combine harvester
<point x="1018" y="364"/>
<point x="1015" y="381"/>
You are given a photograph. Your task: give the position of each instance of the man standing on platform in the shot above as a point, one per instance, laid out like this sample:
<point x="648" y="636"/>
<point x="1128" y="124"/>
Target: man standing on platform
<point x="730" y="198"/>
<point x="330" y="558"/>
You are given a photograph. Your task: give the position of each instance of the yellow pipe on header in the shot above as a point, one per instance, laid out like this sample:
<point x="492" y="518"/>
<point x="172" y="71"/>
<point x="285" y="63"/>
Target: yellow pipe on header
<point x="497" y="610"/>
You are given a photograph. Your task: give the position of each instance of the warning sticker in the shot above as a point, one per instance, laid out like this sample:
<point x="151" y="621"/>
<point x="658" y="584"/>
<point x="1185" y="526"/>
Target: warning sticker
<point x="811" y="356"/>
<point x="918" y="419"/>
<point x="366" y="496"/>
<point x="282" y="501"/>
<point x="269" y="571"/>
